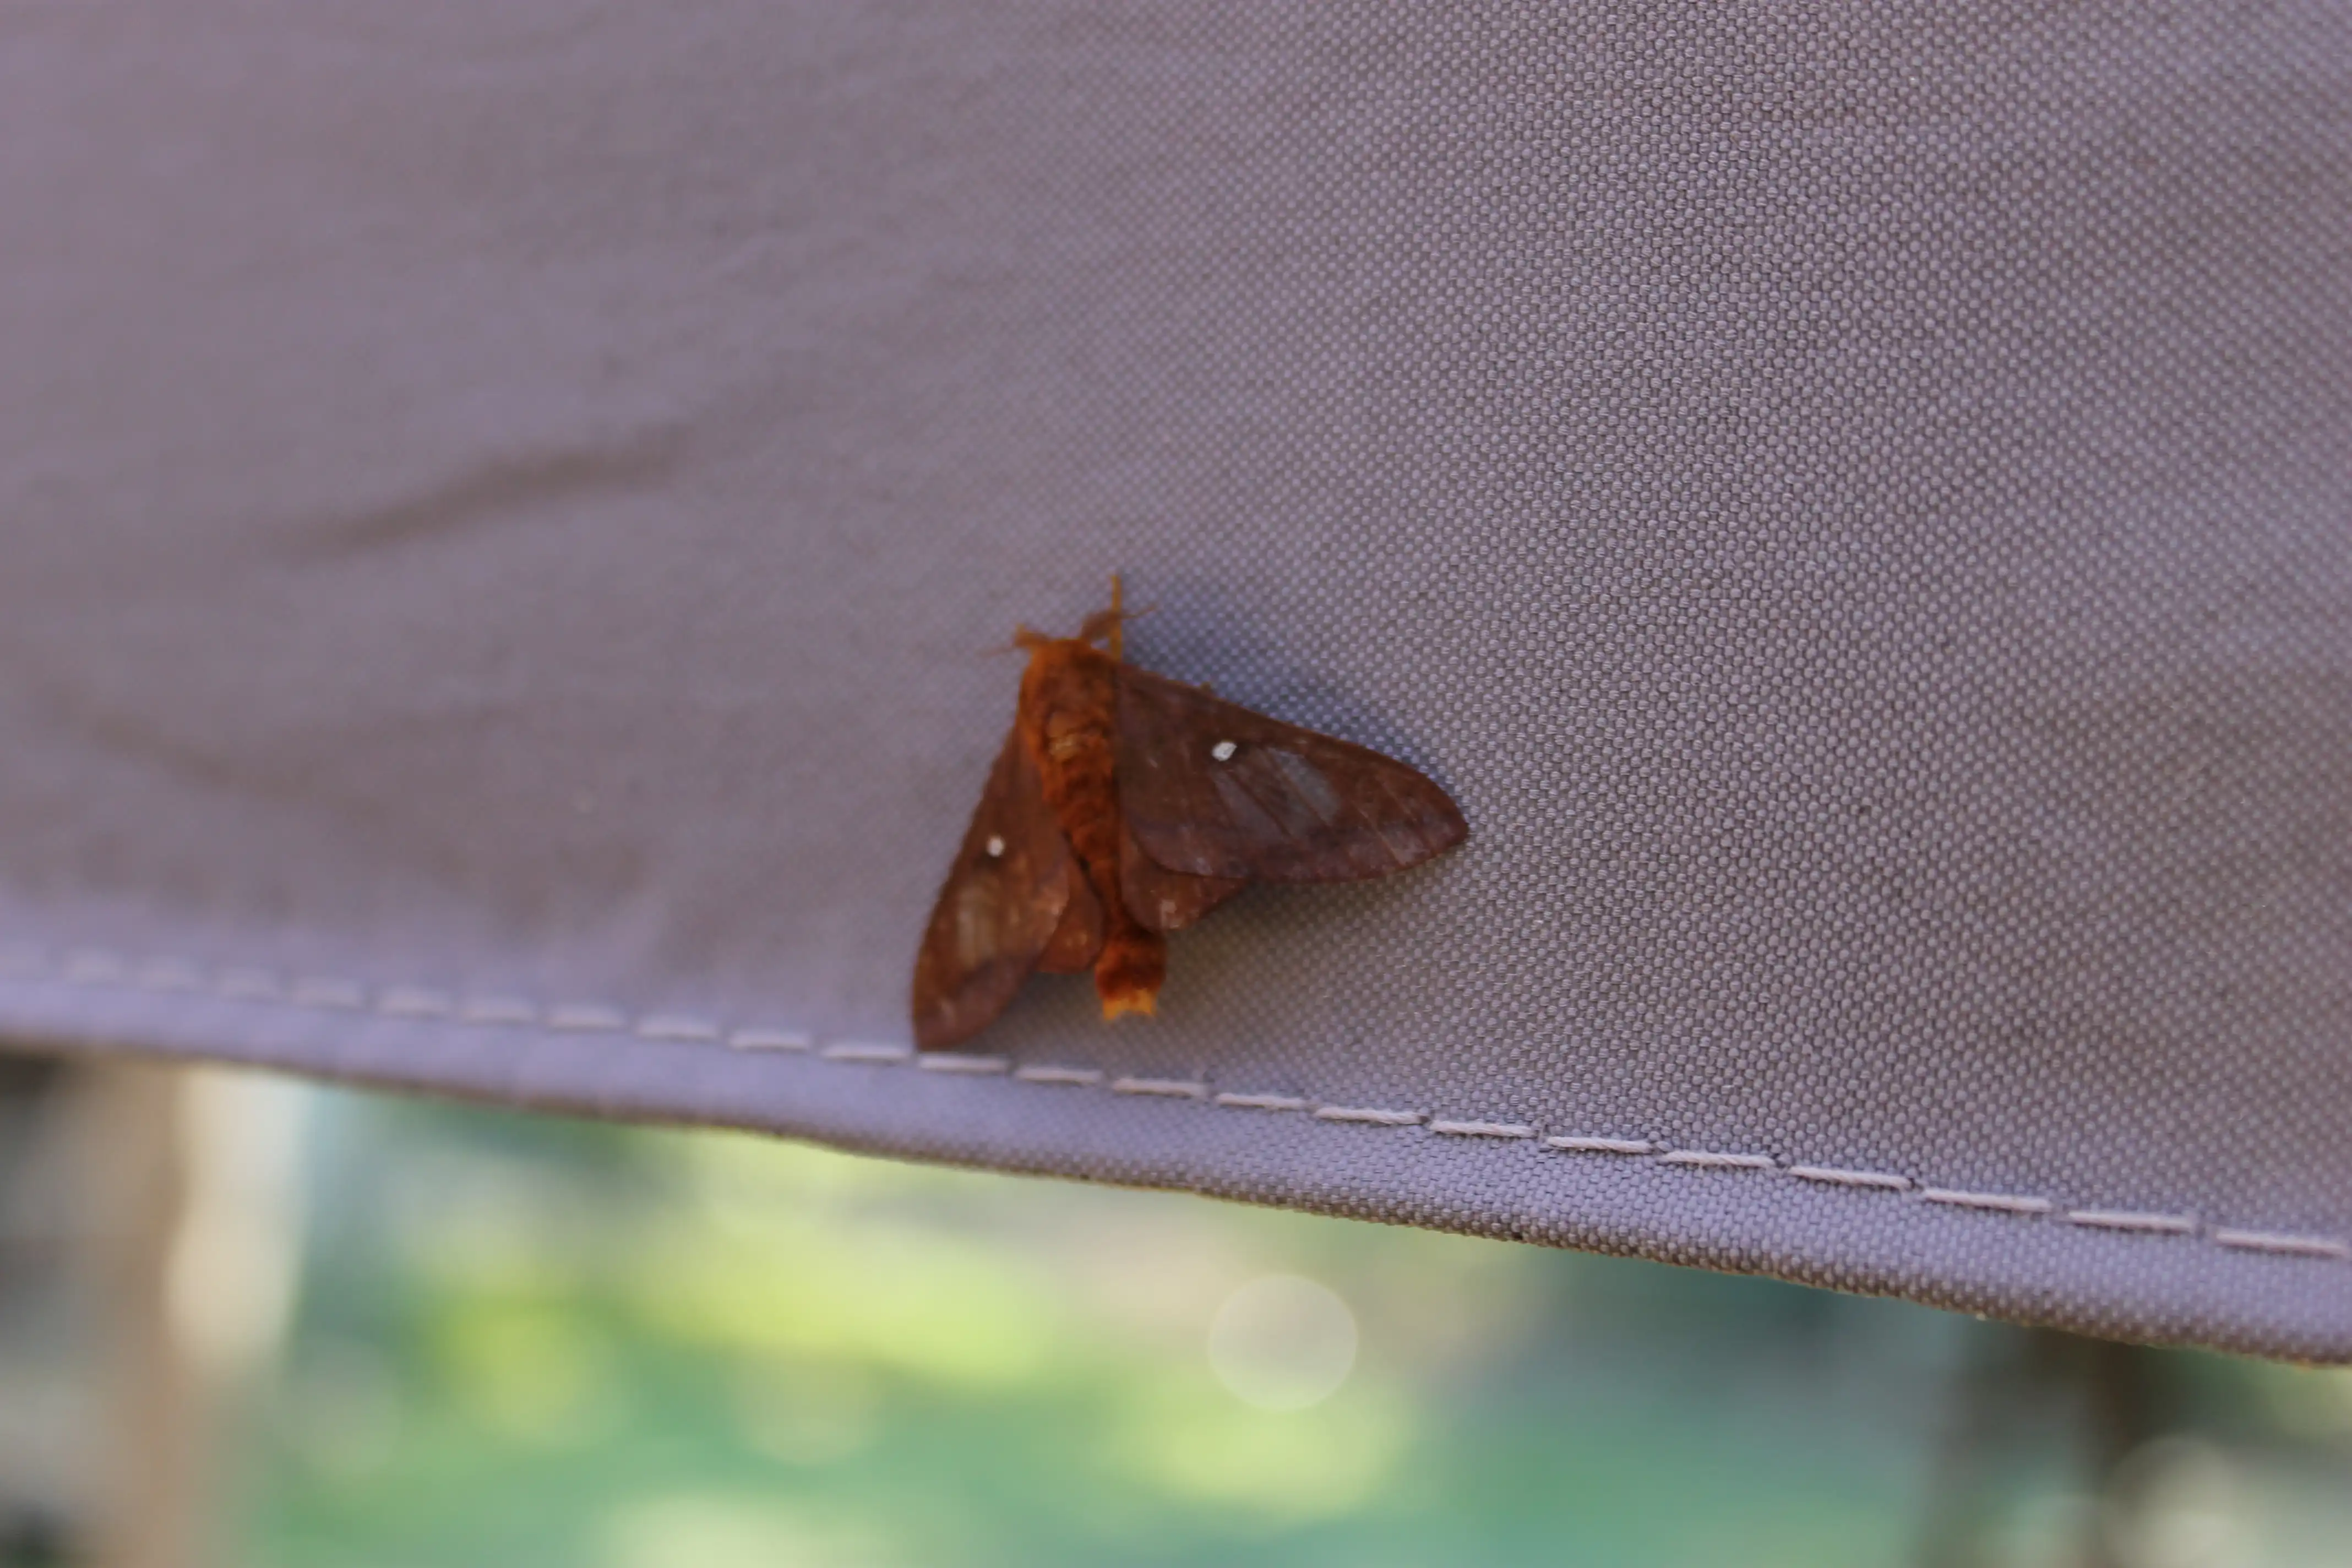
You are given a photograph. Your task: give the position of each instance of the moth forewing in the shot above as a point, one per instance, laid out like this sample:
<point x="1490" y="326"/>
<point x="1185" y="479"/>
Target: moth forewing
<point x="1211" y="789"/>
<point x="1004" y="901"/>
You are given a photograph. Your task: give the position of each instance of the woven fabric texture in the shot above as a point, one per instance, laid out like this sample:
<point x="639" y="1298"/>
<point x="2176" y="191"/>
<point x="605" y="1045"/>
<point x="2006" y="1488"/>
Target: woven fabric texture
<point x="505" y="510"/>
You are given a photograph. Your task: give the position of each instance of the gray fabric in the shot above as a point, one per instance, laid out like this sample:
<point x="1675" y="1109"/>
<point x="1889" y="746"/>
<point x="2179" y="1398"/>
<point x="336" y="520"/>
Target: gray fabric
<point x="505" y="509"/>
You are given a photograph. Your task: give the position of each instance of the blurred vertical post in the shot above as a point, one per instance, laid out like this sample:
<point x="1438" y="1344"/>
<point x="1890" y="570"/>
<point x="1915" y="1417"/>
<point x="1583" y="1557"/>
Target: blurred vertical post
<point x="151" y="1491"/>
<point x="193" y="1253"/>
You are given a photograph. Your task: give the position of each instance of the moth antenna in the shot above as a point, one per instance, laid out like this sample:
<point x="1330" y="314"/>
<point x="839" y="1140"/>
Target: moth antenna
<point x="1109" y="626"/>
<point x="1023" y="639"/>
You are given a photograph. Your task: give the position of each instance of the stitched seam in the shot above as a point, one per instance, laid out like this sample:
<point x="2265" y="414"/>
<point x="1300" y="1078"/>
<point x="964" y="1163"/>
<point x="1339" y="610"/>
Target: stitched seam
<point x="1173" y="1087"/>
<point x="864" y="1051"/>
<point x="1372" y="1115"/>
<point x="1483" y="1129"/>
<point x="97" y="967"/>
<point x="1050" y="1072"/>
<point x="1634" y="1146"/>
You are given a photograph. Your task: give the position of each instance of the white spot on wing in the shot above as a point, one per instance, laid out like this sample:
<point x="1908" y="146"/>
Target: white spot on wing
<point x="1223" y="751"/>
<point x="995" y="847"/>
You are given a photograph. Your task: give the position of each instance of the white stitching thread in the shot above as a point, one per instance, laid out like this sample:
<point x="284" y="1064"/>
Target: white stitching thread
<point x="1601" y="1145"/>
<point x="1173" y="1087"/>
<point x="664" y="1027"/>
<point x="977" y="1067"/>
<point x="403" y="1002"/>
<point x="99" y="967"/>
<point x="1047" y="1072"/>
<point x="769" y="1040"/>
<point x="2124" y="1219"/>
<point x="1366" y="1113"/>
<point x="1709" y="1160"/>
<point x="2004" y="1203"/>
<point x="864" y="1051"/>
<point x="1837" y="1177"/>
<point x="1264" y="1101"/>
<point x="2291" y="1245"/>
<point x="586" y="1018"/>
<point x="497" y="1010"/>
<point x="1483" y="1129"/>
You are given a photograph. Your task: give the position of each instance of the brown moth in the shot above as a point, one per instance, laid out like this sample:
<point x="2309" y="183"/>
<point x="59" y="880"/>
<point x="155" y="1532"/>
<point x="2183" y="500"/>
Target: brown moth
<point x="1125" y="806"/>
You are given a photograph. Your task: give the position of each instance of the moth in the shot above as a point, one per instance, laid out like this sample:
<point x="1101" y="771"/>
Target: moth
<point x="1124" y="806"/>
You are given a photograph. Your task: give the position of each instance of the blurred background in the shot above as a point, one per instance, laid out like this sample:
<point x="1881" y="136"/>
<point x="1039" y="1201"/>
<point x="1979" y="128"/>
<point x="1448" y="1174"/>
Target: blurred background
<point x="245" y="1322"/>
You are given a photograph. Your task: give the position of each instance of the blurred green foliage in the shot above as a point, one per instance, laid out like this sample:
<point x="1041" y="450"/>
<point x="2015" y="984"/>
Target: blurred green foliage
<point x="531" y="1342"/>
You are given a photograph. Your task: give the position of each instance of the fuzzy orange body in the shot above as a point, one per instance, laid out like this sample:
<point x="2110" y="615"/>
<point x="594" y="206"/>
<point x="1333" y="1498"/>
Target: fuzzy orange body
<point x="1068" y="711"/>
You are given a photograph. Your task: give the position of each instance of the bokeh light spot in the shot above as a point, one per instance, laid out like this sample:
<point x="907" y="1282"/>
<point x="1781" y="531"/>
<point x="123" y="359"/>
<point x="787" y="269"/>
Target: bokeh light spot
<point x="1283" y="1343"/>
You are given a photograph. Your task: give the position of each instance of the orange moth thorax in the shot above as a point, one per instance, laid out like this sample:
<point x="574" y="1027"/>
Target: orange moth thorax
<point x="1069" y="707"/>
